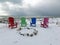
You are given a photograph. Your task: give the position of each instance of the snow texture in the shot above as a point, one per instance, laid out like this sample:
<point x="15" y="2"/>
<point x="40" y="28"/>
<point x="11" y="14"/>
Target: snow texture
<point x="45" y="36"/>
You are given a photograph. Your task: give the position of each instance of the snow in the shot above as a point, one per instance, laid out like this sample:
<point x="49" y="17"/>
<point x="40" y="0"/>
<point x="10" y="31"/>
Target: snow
<point x="45" y="36"/>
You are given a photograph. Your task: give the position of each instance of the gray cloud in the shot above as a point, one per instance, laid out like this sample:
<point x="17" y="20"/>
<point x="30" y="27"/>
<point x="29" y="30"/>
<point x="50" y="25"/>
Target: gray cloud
<point x="48" y="8"/>
<point x="13" y="1"/>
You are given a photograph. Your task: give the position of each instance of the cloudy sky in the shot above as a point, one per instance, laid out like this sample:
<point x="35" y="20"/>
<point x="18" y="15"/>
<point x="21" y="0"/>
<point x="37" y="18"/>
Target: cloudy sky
<point x="30" y="7"/>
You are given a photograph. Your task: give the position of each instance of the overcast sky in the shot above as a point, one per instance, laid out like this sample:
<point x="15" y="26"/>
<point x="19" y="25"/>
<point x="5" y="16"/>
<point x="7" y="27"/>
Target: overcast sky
<point x="30" y="7"/>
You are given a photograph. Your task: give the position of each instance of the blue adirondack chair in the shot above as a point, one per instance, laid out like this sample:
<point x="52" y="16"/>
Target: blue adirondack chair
<point x="33" y="22"/>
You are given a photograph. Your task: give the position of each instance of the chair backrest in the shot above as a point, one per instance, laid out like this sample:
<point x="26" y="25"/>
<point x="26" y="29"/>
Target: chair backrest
<point x="46" y="20"/>
<point x="11" y="20"/>
<point x="23" y="20"/>
<point x="33" y="20"/>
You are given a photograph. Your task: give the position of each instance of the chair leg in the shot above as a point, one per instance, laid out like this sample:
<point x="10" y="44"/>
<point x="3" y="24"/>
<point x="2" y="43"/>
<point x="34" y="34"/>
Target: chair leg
<point x="42" y="25"/>
<point x="45" y="26"/>
<point x="15" y="25"/>
<point x="9" y="26"/>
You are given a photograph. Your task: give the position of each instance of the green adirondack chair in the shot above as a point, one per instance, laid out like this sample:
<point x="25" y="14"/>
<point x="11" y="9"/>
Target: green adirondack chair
<point x="23" y="22"/>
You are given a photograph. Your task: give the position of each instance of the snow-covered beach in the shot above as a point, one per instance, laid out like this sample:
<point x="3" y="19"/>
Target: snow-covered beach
<point x="45" y="36"/>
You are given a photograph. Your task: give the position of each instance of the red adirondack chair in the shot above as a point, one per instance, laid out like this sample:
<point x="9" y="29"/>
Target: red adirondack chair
<point x="11" y="23"/>
<point x="45" y="23"/>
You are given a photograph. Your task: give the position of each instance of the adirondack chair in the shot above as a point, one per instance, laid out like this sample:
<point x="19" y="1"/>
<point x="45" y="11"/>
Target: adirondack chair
<point x="11" y="23"/>
<point x="45" y="23"/>
<point x="33" y="22"/>
<point x="23" y="22"/>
